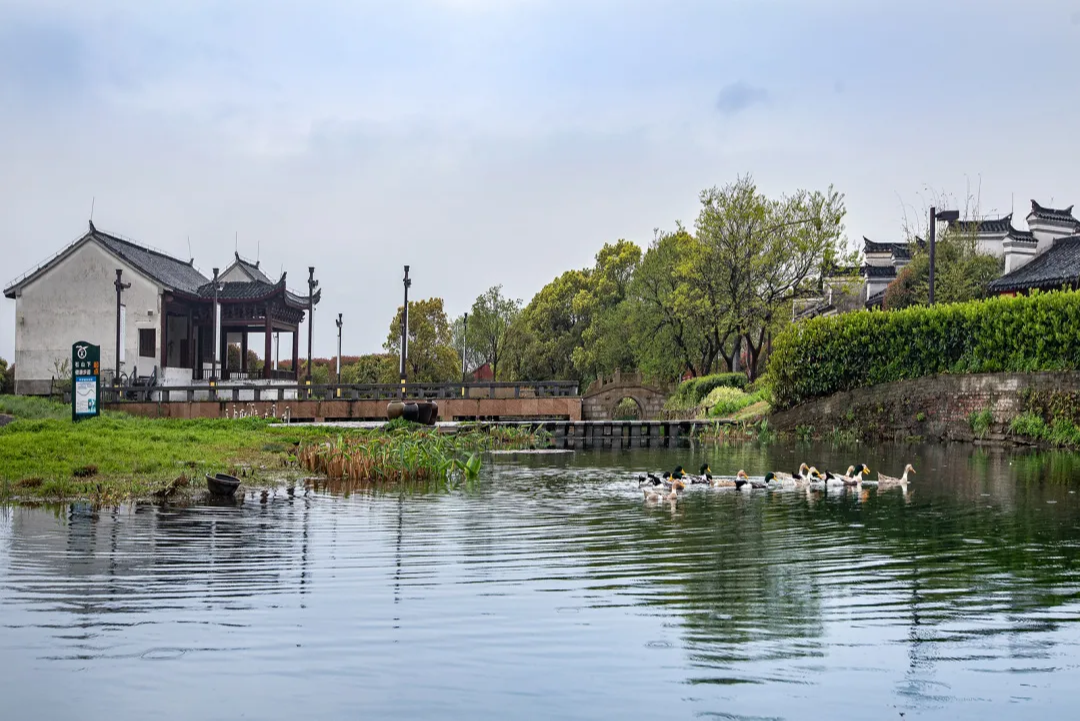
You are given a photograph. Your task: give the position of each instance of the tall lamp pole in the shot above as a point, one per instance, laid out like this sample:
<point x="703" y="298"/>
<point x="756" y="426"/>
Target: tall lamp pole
<point x="405" y="330"/>
<point x="464" y="346"/>
<point x="338" y="321"/>
<point x="933" y="243"/>
<point x="120" y="286"/>
<point x="312" y="284"/>
<point x="935" y="216"/>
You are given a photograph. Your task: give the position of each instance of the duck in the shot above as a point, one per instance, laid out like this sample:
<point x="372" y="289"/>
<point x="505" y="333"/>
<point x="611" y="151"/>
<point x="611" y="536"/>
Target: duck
<point x="705" y="475"/>
<point x="649" y="480"/>
<point x="729" y="481"/>
<point x="652" y="495"/>
<point x="886" y="482"/>
<point x="772" y="480"/>
<point x="853" y="477"/>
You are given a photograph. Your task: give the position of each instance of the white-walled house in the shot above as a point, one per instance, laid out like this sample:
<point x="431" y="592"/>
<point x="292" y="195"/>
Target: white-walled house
<point x="166" y="319"/>
<point x="993" y="236"/>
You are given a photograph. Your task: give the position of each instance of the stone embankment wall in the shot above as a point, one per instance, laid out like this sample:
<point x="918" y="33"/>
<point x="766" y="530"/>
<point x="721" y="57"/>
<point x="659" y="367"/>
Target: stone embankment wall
<point x="934" y="408"/>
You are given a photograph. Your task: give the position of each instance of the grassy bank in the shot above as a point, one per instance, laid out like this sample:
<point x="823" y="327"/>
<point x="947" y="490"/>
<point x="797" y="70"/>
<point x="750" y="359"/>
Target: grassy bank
<point x="116" y="457"/>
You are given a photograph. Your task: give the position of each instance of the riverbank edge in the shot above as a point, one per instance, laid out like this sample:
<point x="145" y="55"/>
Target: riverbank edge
<point x="983" y="409"/>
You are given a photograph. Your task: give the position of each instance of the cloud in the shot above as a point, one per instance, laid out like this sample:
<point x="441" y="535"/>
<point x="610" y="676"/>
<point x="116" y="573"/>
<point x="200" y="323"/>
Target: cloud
<point x="739" y="96"/>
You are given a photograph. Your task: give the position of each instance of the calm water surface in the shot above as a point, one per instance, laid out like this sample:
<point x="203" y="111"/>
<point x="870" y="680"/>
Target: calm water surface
<point x="548" y="589"/>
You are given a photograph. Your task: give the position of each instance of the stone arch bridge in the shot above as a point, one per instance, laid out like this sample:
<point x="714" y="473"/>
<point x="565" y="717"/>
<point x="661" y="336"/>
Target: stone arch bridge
<point x="600" y="398"/>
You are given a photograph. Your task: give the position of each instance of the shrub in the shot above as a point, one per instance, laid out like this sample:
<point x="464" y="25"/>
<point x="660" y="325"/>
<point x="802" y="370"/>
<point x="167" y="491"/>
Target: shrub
<point x="824" y="355"/>
<point x="724" y="401"/>
<point x="691" y="393"/>
<point x="7" y="378"/>
<point x="981" y="422"/>
<point x="1029" y="425"/>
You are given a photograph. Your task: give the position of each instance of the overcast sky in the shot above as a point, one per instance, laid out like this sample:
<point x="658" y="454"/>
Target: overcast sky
<point x="504" y="141"/>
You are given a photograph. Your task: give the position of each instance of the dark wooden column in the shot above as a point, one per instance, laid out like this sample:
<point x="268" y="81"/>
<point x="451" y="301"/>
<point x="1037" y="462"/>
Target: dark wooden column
<point x="268" y="330"/>
<point x="223" y="350"/>
<point x="296" y="352"/>
<point x="164" y="338"/>
<point x="190" y="360"/>
<point x="243" y="351"/>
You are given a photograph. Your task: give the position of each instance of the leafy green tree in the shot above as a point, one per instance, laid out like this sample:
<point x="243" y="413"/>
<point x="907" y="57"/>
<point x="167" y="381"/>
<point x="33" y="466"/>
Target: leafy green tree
<point x="489" y="324"/>
<point x="431" y="357"/>
<point x="370" y="369"/>
<point x="961" y="273"/>
<point x="677" y="326"/>
<point x="6" y="382"/>
<point x="550" y="328"/>
<point x="758" y="254"/>
<point x="605" y="343"/>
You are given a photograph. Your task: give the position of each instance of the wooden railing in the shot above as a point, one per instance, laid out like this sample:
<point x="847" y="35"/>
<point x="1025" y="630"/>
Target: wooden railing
<point x="344" y="392"/>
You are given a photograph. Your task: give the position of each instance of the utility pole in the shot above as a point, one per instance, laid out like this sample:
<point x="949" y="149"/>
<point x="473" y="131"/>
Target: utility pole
<point x="405" y="330"/>
<point x="312" y="284"/>
<point x="217" y="340"/>
<point x="338" y="348"/>
<point x="933" y="236"/>
<point x="464" y="346"/>
<point x="120" y="286"/>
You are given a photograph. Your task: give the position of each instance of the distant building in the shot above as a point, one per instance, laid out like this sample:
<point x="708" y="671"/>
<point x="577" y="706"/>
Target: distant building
<point x="993" y="236"/>
<point x="166" y="319"/>
<point x="483" y="374"/>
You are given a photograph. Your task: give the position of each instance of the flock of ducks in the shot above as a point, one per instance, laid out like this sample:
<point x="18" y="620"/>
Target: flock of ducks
<point x="670" y="484"/>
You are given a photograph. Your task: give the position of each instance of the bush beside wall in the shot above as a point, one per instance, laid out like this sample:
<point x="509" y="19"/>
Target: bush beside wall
<point x="822" y="356"/>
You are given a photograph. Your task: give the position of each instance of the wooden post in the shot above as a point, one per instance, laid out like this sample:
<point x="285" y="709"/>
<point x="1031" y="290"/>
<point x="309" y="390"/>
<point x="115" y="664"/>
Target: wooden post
<point x="163" y="338"/>
<point x="296" y="354"/>
<point x="243" y="351"/>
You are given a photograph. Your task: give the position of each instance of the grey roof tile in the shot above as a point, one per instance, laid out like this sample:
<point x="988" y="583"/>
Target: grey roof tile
<point x="1057" y="266"/>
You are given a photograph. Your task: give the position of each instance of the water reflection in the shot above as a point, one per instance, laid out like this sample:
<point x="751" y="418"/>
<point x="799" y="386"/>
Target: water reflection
<point x="549" y="589"/>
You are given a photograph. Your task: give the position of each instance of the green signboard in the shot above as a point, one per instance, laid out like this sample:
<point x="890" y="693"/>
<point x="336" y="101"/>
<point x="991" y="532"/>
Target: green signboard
<point x="85" y="380"/>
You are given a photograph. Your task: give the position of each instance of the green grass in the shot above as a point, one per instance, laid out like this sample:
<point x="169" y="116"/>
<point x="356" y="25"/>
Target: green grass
<point x="116" y="456"/>
<point x="980" y="422"/>
<point x="31" y="407"/>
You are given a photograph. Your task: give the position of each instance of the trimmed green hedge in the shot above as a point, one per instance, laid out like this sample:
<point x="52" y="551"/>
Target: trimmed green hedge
<point x="691" y="393"/>
<point x="822" y="356"/>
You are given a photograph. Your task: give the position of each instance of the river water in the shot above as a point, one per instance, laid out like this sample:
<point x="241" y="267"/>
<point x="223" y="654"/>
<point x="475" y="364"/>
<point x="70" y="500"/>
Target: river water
<point x="549" y="589"/>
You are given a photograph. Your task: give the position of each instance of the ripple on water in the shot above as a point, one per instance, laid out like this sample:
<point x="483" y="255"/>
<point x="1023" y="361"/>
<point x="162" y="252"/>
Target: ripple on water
<point x="551" y="589"/>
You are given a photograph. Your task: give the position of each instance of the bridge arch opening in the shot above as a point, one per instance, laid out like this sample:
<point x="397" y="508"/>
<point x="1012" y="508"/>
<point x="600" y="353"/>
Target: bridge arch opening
<point x="627" y="408"/>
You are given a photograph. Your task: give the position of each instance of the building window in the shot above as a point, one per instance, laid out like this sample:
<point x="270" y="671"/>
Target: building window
<point x="147" y="342"/>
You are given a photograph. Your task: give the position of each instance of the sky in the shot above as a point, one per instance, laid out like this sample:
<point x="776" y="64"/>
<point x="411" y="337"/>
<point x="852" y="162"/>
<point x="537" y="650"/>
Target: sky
<point x="488" y="142"/>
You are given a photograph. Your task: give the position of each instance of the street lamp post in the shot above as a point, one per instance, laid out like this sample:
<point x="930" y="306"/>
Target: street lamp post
<point x="312" y="284"/>
<point x="338" y="348"/>
<point x="464" y="347"/>
<point x="935" y="216"/>
<point x="405" y="330"/>
<point x="120" y="286"/>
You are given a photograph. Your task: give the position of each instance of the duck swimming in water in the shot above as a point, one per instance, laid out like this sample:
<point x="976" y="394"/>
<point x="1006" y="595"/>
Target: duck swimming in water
<point x="887" y="482"/>
<point x="705" y="477"/>
<point x="853" y="477"/>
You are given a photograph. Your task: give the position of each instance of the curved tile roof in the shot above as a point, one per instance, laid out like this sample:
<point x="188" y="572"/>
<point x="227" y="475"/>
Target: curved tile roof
<point x="1057" y="266"/>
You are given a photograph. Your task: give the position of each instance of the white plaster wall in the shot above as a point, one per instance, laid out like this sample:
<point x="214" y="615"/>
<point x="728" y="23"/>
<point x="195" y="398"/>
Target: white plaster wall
<point x="1017" y="256"/>
<point x="74" y="301"/>
<point x="1047" y="233"/>
<point x="233" y="274"/>
<point x="879" y="260"/>
<point x="990" y="245"/>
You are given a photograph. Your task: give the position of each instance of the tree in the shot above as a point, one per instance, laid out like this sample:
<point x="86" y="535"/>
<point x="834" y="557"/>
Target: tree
<point x="6" y="382"/>
<point x="605" y="343"/>
<point x="490" y="320"/>
<point x="678" y="327"/>
<point x="550" y="328"/>
<point x="961" y="273"/>
<point x="370" y="369"/>
<point x="758" y="254"/>
<point x="431" y="357"/>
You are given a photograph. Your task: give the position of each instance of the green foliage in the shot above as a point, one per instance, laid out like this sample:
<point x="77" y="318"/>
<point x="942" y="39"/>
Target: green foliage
<point x="1029" y="425"/>
<point x="920" y="416"/>
<point x="825" y="355"/>
<point x="691" y="393"/>
<point x="627" y="410"/>
<point x="724" y="400"/>
<point x="431" y="355"/>
<point x="961" y="273"/>
<point x="7" y="378"/>
<point x="488" y="330"/>
<point x="981" y="421"/>
<point x="371" y="369"/>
